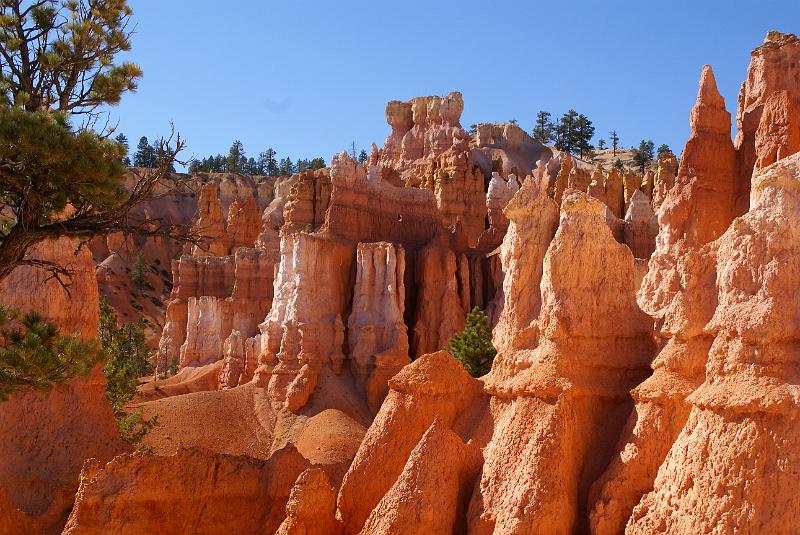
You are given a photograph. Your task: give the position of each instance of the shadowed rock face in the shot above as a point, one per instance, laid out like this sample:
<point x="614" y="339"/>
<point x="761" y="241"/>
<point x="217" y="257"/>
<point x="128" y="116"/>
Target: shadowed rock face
<point x="507" y="149"/>
<point x="377" y="334"/>
<point x="695" y="211"/>
<point x="366" y="208"/>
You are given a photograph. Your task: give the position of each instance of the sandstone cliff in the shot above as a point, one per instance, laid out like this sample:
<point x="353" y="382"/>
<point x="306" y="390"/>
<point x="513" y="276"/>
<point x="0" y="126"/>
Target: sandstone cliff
<point x="45" y="438"/>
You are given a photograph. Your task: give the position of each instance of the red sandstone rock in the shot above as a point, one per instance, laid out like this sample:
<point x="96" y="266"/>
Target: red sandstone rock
<point x="778" y="134"/>
<point x="303" y="334"/>
<point x="641" y="226"/>
<point x="229" y="292"/>
<point x="498" y="195"/>
<point x="631" y="184"/>
<point x="732" y="466"/>
<point x="507" y="149"/>
<point x="208" y="325"/>
<point x="664" y="178"/>
<point x="44" y="438"/>
<point x="678" y="293"/>
<point x="192" y="491"/>
<point x="774" y="67"/>
<point x="311" y="506"/>
<point x="615" y="193"/>
<point x="366" y="208"/>
<point x="562" y="179"/>
<point x="243" y="224"/>
<point x="430" y="496"/>
<point x="434" y="154"/>
<point x="568" y="386"/>
<point x="210" y="223"/>
<point x="534" y="219"/>
<point x="307" y="200"/>
<point x="434" y="386"/>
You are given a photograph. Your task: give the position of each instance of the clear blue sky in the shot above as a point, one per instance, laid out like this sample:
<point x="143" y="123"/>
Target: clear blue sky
<point x="307" y="77"/>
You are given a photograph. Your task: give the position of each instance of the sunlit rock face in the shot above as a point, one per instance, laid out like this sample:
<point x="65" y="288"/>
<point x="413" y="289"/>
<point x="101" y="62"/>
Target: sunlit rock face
<point x="46" y="437"/>
<point x="769" y="104"/>
<point x="428" y="149"/>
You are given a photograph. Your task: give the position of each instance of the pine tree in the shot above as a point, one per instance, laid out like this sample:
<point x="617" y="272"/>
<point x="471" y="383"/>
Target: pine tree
<point x="218" y="164"/>
<point x="601" y="143"/>
<point x="619" y="165"/>
<point x="318" y="163"/>
<point x="363" y="157"/>
<point x="236" y="160"/>
<point x="286" y="167"/>
<point x="59" y="72"/>
<point x="644" y="154"/>
<point x="128" y="359"/>
<point x="543" y="130"/>
<point x="662" y="150"/>
<point x="34" y="354"/>
<point x="251" y="167"/>
<point x="267" y="163"/>
<point x="473" y="347"/>
<point x="303" y="165"/>
<point x="566" y="132"/>
<point x="614" y="141"/>
<point x="145" y="154"/>
<point x="123" y="141"/>
<point x="584" y="131"/>
<point x="139" y="271"/>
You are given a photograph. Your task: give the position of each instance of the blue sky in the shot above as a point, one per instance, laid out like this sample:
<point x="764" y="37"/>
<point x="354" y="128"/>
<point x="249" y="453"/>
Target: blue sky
<point x="307" y="77"/>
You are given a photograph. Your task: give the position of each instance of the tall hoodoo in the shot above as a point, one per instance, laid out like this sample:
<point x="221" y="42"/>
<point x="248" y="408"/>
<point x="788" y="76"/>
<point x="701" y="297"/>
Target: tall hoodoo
<point x="676" y="292"/>
<point x="769" y="103"/>
<point x="377" y="335"/>
<point x="210" y="223"/>
<point x="303" y="334"/>
<point x="533" y="220"/>
<point x="45" y="438"/>
<point x="556" y="406"/>
<point x="734" y="464"/>
<point x="434" y="154"/>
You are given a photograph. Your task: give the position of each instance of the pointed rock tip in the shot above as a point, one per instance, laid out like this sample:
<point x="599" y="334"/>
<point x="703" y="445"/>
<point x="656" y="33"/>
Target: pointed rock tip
<point x="708" y="93"/>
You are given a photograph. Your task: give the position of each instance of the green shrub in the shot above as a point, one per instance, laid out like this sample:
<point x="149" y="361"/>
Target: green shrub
<point x="133" y="427"/>
<point x="473" y="347"/>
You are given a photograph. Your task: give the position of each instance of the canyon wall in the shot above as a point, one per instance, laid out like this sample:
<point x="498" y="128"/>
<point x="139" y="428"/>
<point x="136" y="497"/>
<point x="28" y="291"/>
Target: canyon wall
<point x="619" y="401"/>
